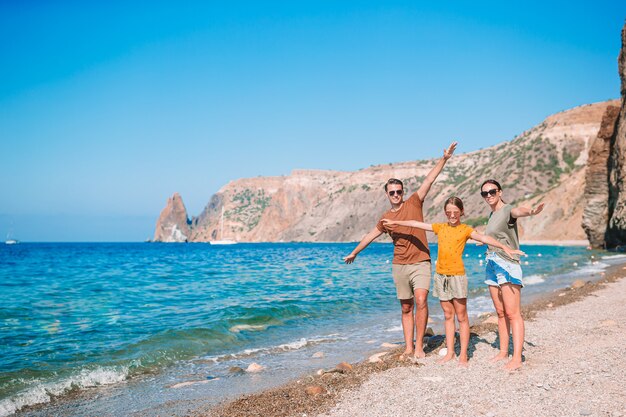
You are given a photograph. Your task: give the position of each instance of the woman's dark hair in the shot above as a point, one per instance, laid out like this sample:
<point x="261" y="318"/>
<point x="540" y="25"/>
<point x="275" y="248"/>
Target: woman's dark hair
<point x="393" y="181"/>
<point x="455" y="201"/>
<point x="494" y="182"/>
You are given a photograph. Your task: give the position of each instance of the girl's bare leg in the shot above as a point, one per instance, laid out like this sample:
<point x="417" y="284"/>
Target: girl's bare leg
<point x="448" y="312"/>
<point x="504" y="326"/>
<point x="460" y="308"/>
<point x="512" y="295"/>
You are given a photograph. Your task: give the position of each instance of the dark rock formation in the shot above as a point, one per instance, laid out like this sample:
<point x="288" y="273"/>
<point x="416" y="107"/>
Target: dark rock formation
<point x="173" y="224"/>
<point x="596" y="213"/>
<point x="616" y="231"/>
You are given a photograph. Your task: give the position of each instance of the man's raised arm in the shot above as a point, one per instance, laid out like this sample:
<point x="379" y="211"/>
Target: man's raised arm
<point x="367" y="239"/>
<point x="434" y="173"/>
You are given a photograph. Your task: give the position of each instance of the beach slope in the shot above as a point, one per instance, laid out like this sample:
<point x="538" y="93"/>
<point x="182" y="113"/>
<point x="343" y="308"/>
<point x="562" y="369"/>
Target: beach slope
<point x="574" y="366"/>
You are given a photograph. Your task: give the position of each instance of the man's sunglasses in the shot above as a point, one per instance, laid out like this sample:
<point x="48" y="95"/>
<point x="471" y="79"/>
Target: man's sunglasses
<point x="491" y="192"/>
<point x="394" y="192"/>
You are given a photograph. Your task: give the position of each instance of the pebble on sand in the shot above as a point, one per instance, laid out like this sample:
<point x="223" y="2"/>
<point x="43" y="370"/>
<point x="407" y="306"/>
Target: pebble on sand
<point x="432" y="378"/>
<point x="187" y="383"/>
<point x="579" y="283"/>
<point x="377" y="357"/>
<point x="318" y="355"/>
<point x="236" y="370"/>
<point x="314" y="390"/>
<point x="255" y="367"/>
<point x="344" y="367"/>
<point x="443" y="351"/>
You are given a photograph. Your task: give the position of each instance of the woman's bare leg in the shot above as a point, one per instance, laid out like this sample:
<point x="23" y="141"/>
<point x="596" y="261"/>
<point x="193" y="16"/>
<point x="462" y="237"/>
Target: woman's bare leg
<point x="512" y="296"/>
<point x="504" y="327"/>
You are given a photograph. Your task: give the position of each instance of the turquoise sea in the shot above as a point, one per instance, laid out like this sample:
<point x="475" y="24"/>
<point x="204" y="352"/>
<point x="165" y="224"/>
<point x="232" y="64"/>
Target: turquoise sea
<point x="122" y="327"/>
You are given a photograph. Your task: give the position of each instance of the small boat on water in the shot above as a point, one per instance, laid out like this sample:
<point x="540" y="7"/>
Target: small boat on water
<point x="10" y="241"/>
<point x="222" y="241"/>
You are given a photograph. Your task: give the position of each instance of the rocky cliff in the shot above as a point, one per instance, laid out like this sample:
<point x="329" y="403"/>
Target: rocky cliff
<point x="173" y="224"/>
<point x="545" y="163"/>
<point x="604" y="219"/>
<point x="596" y="212"/>
<point x="616" y="231"/>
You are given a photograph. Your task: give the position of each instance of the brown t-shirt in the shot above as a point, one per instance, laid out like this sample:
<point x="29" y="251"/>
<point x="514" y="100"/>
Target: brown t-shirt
<point x="410" y="244"/>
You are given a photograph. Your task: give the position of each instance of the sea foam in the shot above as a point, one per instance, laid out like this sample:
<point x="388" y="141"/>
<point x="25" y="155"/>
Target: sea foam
<point x="44" y="392"/>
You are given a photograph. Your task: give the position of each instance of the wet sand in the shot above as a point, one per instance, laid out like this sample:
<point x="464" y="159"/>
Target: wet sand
<point x="573" y="353"/>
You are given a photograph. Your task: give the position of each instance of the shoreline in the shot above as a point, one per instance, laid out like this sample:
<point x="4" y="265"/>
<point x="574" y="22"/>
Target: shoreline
<point x="292" y="398"/>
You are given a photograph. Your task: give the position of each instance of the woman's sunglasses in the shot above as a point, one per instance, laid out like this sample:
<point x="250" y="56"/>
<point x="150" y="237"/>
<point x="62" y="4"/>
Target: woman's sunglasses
<point x="394" y="192"/>
<point x="491" y="192"/>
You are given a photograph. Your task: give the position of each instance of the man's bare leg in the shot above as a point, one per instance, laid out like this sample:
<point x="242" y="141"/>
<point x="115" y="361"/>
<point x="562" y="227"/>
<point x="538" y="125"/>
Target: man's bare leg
<point x="421" y="318"/>
<point x="407" y="325"/>
<point x="448" y="313"/>
<point x="504" y="327"/>
<point x="511" y="295"/>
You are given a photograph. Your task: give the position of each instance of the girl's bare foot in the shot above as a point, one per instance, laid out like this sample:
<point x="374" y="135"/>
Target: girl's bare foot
<point x="499" y="357"/>
<point x="419" y="354"/>
<point x="513" y="365"/>
<point x="406" y="355"/>
<point x="445" y="359"/>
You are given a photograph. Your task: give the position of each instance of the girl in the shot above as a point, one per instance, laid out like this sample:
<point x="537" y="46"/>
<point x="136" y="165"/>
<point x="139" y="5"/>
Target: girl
<point x="450" y="283"/>
<point x="504" y="274"/>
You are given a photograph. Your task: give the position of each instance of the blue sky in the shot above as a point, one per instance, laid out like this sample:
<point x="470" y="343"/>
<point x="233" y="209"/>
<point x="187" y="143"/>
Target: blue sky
<point x="108" y="109"/>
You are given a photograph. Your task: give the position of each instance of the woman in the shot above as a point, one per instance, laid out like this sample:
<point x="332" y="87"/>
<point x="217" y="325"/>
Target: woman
<point x="504" y="274"/>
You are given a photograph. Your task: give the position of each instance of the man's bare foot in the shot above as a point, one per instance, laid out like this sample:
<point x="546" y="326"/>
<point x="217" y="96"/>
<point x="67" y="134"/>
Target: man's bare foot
<point x="445" y="359"/>
<point x="513" y="365"/>
<point x="499" y="357"/>
<point x="419" y="354"/>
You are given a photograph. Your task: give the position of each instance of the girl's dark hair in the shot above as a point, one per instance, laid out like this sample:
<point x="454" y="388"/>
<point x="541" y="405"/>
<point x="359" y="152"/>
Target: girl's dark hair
<point x="455" y="201"/>
<point x="393" y="181"/>
<point x="494" y="182"/>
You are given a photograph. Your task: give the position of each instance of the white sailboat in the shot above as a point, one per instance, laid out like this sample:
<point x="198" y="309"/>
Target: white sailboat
<point x="11" y="241"/>
<point x="222" y="241"/>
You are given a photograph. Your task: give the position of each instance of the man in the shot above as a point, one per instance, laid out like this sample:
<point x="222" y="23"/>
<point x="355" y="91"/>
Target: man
<point x="411" y="267"/>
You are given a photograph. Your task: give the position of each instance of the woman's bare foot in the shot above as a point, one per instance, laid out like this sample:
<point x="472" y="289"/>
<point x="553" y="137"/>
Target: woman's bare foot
<point x="499" y="357"/>
<point x="419" y="354"/>
<point x="513" y="365"/>
<point x="463" y="361"/>
<point x="445" y="359"/>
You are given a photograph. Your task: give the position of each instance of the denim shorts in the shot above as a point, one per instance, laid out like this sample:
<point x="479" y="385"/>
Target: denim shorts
<point x="500" y="271"/>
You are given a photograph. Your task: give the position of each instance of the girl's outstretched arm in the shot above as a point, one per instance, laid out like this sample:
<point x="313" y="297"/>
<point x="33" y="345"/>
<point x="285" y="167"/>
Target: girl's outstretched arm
<point x="518" y="212"/>
<point x="492" y="242"/>
<point x="410" y="223"/>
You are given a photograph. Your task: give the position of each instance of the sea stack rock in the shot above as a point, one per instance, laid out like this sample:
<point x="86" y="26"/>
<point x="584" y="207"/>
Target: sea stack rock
<point x="596" y="212"/>
<point x="616" y="231"/>
<point x="173" y="224"/>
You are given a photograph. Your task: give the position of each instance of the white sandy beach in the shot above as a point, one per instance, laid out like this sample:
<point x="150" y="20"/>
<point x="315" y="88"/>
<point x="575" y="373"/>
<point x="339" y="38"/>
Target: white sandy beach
<point x="574" y="367"/>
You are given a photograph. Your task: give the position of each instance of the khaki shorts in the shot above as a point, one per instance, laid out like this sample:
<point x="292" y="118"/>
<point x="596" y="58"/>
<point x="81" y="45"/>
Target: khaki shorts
<point x="409" y="278"/>
<point x="447" y="287"/>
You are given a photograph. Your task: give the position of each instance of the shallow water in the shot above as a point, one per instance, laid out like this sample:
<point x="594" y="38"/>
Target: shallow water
<point x="143" y="317"/>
